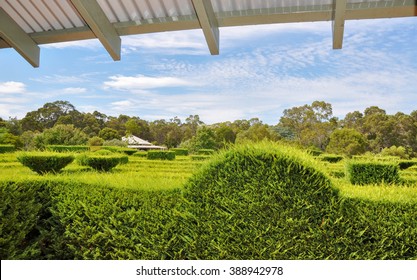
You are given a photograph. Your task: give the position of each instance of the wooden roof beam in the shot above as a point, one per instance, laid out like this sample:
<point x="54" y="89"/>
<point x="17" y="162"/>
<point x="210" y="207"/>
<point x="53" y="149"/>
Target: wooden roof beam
<point x="17" y="38"/>
<point x="338" y="22"/>
<point x="209" y="24"/>
<point x="102" y="28"/>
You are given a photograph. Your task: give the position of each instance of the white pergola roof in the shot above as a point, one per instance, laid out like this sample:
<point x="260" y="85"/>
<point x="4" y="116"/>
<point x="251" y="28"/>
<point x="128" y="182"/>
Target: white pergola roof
<point x="25" y="24"/>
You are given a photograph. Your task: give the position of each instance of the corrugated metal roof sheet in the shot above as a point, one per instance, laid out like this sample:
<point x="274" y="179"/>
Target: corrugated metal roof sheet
<point x="48" y="21"/>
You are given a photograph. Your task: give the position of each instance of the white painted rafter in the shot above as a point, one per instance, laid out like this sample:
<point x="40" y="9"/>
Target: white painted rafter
<point x="100" y="25"/>
<point x="209" y="24"/>
<point x="17" y="38"/>
<point x="338" y="23"/>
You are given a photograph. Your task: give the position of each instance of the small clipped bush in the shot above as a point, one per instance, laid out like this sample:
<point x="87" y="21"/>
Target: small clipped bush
<point x="180" y="151"/>
<point x="67" y="149"/>
<point x="164" y="155"/>
<point x="6" y="149"/>
<point x="330" y="158"/>
<point x="102" y="163"/>
<point x="372" y="172"/>
<point x="205" y="152"/>
<point x="128" y="151"/>
<point x="45" y="162"/>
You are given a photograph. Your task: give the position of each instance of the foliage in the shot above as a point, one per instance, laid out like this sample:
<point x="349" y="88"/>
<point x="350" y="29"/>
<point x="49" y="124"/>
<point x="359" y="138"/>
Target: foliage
<point x="200" y="157"/>
<point x="63" y="220"/>
<point x="271" y="207"/>
<point x="118" y="149"/>
<point x="115" y="142"/>
<point x="22" y="211"/>
<point x="257" y="132"/>
<point x="103" y="163"/>
<point x="7" y="149"/>
<point x="205" y="152"/>
<point x="95" y="141"/>
<point x="314" y="151"/>
<point x="47" y="116"/>
<point x="142" y="154"/>
<point x="64" y="134"/>
<point x="180" y="151"/>
<point x="404" y="164"/>
<point x="331" y="158"/>
<point x="395" y="151"/>
<point x="109" y="134"/>
<point x="311" y="125"/>
<point x="44" y="162"/>
<point x="259" y="202"/>
<point x="363" y="173"/>
<point x="308" y="125"/>
<point x="67" y="148"/>
<point x="347" y="141"/>
<point x="164" y="155"/>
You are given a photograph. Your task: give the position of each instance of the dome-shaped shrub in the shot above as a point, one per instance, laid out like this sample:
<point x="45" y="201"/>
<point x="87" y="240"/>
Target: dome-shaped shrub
<point x="260" y="201"/>
<point x="45" y="162"/>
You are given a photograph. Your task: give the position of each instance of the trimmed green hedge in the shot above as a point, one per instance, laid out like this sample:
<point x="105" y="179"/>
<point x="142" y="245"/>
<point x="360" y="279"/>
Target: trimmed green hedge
<point x="7" y="149"/>
<point x="269" y="202"/>
<point x="252" y="202"/>
<point x="103" y="163"/>
<point x="116" y="149"/>
<point x="66" y="149"/>
<point x="330" y="158"/>
<point x="180" y="151"/>
<point x="205" y="152"/>
<point x="45" y="162"/>
<point x="260" y="201"/>
<point x="142" y="154"/>
<point x="200" y="157"/>
<point x="63" y="220"/>
<point x="404" y="164"/>
<point x="363" y="173"/>
<point x="164" y="155"/>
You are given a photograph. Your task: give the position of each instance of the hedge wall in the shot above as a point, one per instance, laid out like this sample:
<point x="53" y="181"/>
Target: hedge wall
<point x="180" y="151"/>
<point x="7" y="149"/>
<point x="64" y="220"/>
<point x="164" y="155"/>
<point x="372" y="172"/>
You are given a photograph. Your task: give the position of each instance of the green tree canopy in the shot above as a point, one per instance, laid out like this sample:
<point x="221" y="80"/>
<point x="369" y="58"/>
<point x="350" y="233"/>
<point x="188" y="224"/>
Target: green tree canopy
<point x="347" y="141"/>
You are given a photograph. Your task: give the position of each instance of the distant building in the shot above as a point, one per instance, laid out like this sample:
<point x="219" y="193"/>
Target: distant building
<point x="140" y="144"/>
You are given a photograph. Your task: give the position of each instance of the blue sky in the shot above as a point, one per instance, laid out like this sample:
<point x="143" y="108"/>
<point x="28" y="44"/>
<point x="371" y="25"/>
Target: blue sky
<point x="261" y="70"/>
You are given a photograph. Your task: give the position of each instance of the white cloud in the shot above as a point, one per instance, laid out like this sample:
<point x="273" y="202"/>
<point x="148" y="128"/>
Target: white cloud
<point x="61" y="79"/>
<point x="141" y="82"/>
<point x="73" y="90"/>
<point x="189" y="42"/>
<point x="88" y="44"/>
<point x="12" y="87"/>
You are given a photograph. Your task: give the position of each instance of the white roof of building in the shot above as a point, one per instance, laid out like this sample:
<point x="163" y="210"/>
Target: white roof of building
<point x="25" y="24"/>
<point x="134" y="140"/>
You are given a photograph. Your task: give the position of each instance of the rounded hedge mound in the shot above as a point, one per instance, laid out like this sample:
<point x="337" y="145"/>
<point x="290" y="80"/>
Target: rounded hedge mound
<point x="45" y="162"/>
<point x="261" y="201"/>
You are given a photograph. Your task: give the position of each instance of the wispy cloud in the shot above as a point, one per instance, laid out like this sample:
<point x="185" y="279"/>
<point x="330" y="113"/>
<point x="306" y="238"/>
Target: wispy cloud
<point x="61" y="79"/>
<point x="74" y="90"/>
<point x="141" y="82"/>
<point x="12" y="87"/>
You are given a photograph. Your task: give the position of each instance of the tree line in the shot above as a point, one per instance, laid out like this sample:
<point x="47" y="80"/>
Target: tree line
<point x="312" y="126"/>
